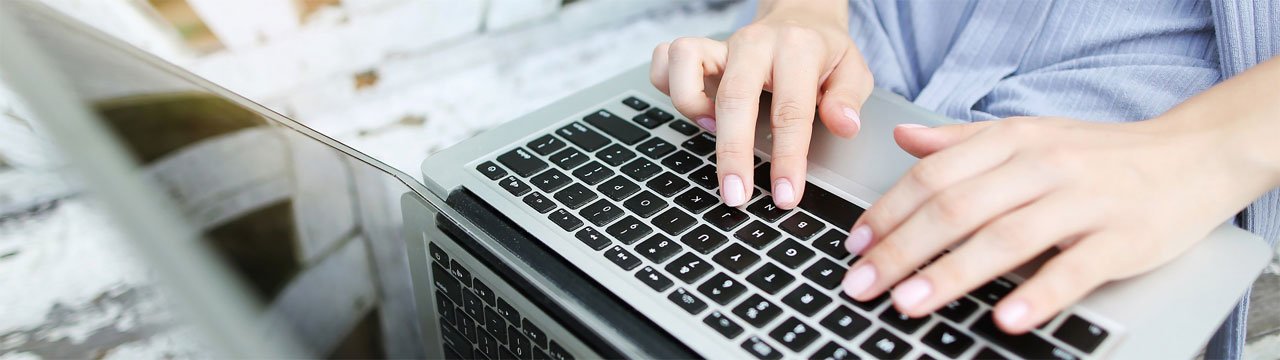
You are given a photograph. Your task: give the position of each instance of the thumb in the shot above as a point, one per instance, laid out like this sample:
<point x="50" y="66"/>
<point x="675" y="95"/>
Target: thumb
<point x="920" y="140"/>
<point x="845" y="89"/>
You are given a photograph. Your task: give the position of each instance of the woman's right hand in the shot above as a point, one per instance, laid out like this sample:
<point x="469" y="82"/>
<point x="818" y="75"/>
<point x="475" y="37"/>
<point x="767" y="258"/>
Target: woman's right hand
<point x="800" y="50"/>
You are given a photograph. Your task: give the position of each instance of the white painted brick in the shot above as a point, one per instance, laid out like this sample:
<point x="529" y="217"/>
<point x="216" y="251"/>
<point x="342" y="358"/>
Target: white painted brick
<point x="245" y="23"/>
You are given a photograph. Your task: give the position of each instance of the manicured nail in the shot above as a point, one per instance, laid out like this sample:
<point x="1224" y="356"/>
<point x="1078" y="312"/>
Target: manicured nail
<point x="858" y="239"/>
<point x="859" y="280"/>
<point x="911" y="126"/>
<point x="909" y="293"/>
<point x="732" y="192"/>
<point x="707" y="123"/>
<point x="1012" y="312"/>
<point x="783" y="193"/>
<point x="853" y="116"/>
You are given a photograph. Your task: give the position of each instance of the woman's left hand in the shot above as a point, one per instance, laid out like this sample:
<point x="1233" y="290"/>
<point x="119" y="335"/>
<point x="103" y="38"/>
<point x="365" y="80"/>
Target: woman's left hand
<point x="1117" y="199"/>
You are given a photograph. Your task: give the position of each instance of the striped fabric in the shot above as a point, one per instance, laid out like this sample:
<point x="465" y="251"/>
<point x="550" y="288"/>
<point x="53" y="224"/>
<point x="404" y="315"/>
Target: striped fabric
<point x="1097" y="60"/>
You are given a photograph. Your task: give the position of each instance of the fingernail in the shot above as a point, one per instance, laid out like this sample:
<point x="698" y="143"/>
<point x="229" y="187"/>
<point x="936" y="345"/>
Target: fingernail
<point x="853" y="116"/>
<point x="909" y="293"/>
<point x="1011" y="313"/>
<point x="911" y="126"/>
<point x="858" y="239"/>
<point x="783" y="193"/>
<point x="732" y="191"/>
<point x="707" y="123"/>
<point x="859" y="280"/>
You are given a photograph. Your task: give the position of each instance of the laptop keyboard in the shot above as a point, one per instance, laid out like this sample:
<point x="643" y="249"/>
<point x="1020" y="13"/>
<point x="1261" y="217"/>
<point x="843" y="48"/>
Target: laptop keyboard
<point x="765" y="278"/>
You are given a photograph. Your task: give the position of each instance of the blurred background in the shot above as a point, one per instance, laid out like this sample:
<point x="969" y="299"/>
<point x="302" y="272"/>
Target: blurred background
<point x="397" y="79"/>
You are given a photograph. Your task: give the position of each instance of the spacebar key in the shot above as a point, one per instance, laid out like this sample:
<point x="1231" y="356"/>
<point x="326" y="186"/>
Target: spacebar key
<point x="1027" y="345"/>
<point x="829" y="207"/>
<point x="616" y="126"/>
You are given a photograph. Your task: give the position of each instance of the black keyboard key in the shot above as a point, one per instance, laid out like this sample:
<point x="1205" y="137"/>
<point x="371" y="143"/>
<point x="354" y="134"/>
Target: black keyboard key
<point x="438" y="254"/>
<point x="634" y="103"/>
<point x="574" y="196"/>
<point x="593" y="173"/>
<point x="757" y="311"/>
<point x="706" y="177"/>
<point x="539" y="203"/>
<point x="1080" y="333"/>
<point x="568" y="159"/>
<point x="489" y="346"/>
<point x="725" y="217"/>
<point x="483" y="291"/>
<point x="537" y="338"/>
<point x="518" y="344"/>
<point x="493" y="323"/>
<point x="683" y="127"/>
<point x="765" y="209"/>
<point x="585" y="138"/>
<point x="869" y="305"/>
<point x="794" y="334"/>
<point x="901" y="321"/>
<point x="522" y="162"/>
<point x="761" y="350"/>
<point x="832" y="244"/>
<point x="454" y="339"/>
<point x="791" y="253"/>
<point x="722" y="289"/>
<point x="646" y="121"/>
<point x="558" y="353"/>
<point x="736" y="258"/>
<point x="833" y="351"/>
<point x="845" y="323"/>
<point x="829" y="207"/>
<point x="682" y="162"/>
<point x="667" y="184"/>
<point x="593" y="239"/>
<point x="645" y="204"/>
<point x="806" y="299"/>
<point x="601" y="212"/>
<point x="696" y="200"/>
<point x="550" y="180"/>
<point x="1029" y="345"/>
<point x="947" y="340"/>
<point x="507" y="311"/>
<point x="884" y="345"/>
<point x="629" y="230"/>
<point x="617" y="127"/>
<point x="674" y="221"/>
<point x="757" y="234"/>
<point x="615" y="154"/>
<point x="992" y="292"/>
<point x="546" y="144"/>
<point x="723" y="324"/>
<point x="704" y="239"/>
<point x="618" y="188"/>
<point x="801" y="225"/>
<point x="460" y="272"/>
<point x="655" y="148"/>
<point x="958" y="310"/>
<point x="770" y="278"/>
<point x="687" y="301"/>
<point x="763" y="177"/>
<point x="989" y="354"/>
<point x="658" y="249"/>
<point x="472" y="306"/>
<point x="641" y="169"/>
<point x="654" y="279"/>
<point x="565" y="220"/>
<point x="514" y="186"/>
<point x="659" y="114"/>
<point x="825" y="273"/>
<point x="688" y="268"/>
<point x="702" y="144"/>
<point x="445" y="282"/>
<point x="623" y="258"/>
<point x="491" y="170"/>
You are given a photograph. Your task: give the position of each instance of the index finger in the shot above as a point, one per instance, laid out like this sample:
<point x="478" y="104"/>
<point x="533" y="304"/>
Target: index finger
<point x="737" y="108"/>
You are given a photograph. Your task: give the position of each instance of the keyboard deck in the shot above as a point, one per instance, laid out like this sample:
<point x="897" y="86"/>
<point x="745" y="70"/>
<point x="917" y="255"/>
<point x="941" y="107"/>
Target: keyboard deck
<point x="764" y="278"/>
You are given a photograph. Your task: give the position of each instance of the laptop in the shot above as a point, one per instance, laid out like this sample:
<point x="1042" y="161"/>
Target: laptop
<point x="589" y="228"/>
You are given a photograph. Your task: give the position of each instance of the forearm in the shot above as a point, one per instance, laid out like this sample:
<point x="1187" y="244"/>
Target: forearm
<point x="837" y="10"/>
<point x="1244" y="114"/>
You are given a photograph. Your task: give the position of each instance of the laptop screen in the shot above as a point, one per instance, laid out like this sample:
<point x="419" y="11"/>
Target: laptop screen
<point x="312" y="231"/>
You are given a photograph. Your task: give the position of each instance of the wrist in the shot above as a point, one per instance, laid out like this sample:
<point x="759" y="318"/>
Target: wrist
<point x="833" y="10"/>
<point x="1246" y="154"/>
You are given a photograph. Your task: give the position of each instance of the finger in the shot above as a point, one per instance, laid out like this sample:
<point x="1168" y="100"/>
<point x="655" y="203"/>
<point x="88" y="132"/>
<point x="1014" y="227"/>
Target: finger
<point x="996" y="249"/>
<point x="843" y="94"/>
<point x="795" y="91"/>
<point x="691" y="61"/>
<point x="1062" y="281"/>
<point x="737" y="109"/>
<point x="920" y="141"/>
<point x="929" y="176"/>
<point x="658" y="70"/>
<point x="949" y="216"/>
